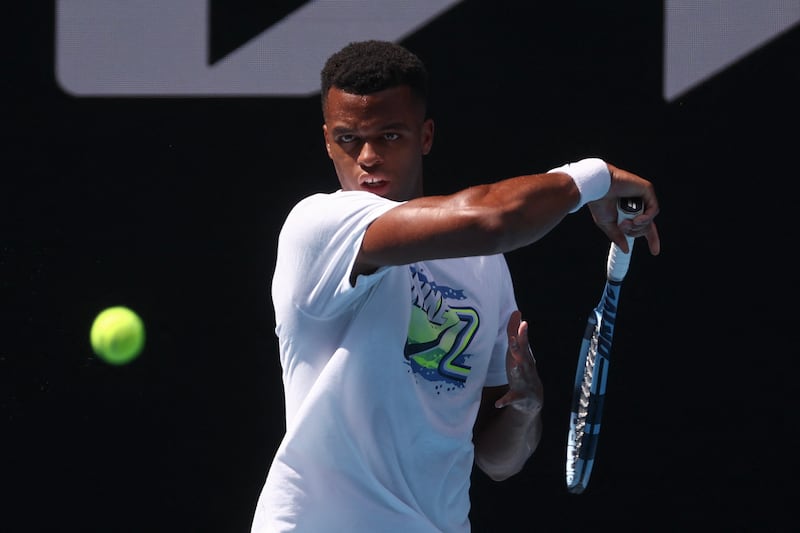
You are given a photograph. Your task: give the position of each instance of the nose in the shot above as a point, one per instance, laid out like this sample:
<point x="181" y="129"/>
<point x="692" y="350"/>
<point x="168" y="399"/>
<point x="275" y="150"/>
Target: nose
<point x="368" y="156"/>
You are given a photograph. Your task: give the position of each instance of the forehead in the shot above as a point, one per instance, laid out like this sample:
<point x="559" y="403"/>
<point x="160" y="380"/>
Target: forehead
<point x="394" y="105"/>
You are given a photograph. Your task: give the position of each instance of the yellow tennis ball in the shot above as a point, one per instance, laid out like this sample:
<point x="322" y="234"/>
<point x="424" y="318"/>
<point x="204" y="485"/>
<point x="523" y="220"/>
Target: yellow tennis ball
<point x="117" y="335"/>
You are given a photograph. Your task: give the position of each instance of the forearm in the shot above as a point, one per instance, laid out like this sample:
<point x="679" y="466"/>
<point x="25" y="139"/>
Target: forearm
<point x="506" y="441"/>
<point x="484" y="219"/>
<point x="480" y="220"/>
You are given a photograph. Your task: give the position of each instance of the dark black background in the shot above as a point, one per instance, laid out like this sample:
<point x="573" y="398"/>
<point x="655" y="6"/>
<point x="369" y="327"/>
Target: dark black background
<point x="172" y="207"/>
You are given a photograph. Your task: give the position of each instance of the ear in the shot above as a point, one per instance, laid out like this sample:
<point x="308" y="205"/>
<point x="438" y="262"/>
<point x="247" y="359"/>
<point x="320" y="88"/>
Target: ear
<point x="427" y="136"/>
<point x="327" y="141"/>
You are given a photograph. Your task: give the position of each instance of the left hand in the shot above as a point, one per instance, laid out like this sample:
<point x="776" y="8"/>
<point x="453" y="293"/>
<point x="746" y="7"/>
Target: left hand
<point x="525" y="391"/>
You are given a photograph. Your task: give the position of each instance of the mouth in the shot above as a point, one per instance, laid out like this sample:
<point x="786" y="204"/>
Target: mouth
<point x="373" y="182"/>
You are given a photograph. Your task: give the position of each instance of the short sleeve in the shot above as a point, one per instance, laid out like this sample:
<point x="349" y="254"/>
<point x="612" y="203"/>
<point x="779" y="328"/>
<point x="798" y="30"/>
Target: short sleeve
<point x="317" y="247"/>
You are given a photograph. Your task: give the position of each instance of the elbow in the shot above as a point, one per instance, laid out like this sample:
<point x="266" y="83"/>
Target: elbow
<point x="502" y="475"/>
<point x="499" y="474"/>
<point x="499" y="471"/>
<point x="501" y="464"/>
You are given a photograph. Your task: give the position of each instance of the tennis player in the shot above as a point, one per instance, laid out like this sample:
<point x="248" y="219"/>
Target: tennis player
<point x="405" y="360"/>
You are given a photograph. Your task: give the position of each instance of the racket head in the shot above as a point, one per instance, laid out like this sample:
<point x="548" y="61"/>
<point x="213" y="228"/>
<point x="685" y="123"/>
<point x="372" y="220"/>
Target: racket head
<point x="588" y="397"/>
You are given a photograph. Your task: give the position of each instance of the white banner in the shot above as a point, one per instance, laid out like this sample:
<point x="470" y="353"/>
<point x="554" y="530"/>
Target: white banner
<point x="160" y="47"/>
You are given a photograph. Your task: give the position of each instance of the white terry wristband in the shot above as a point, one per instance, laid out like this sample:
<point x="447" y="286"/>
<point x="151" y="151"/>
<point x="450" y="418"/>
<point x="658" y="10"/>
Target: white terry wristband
<point x="591" y="176"/>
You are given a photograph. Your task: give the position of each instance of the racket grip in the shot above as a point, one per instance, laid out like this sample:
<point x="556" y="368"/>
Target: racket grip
<point x="618" y="261"/>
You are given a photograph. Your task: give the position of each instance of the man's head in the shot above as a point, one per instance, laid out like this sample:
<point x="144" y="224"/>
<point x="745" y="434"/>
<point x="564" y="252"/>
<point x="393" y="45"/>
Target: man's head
<point x="376" y="129"/>
<point x="368" y="67"/>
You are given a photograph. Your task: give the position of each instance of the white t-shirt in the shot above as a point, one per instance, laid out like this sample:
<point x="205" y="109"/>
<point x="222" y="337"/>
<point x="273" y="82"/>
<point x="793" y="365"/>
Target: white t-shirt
<point x="382" y="380"/>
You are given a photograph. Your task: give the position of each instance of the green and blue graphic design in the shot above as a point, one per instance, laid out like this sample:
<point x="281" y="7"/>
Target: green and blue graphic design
<point x="439" y="333"/>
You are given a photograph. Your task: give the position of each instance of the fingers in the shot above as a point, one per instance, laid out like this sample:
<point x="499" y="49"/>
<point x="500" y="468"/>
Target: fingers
<point x="623" y="184"/>
<point x="518" y="344"/>
<point x="617" y="236"/>
<point x="641" y="226"/>
<point x="513" y="324"/>
<point x="653" y="240"/>
<point x="523" y="379"/>
<point x="646" y="223"/>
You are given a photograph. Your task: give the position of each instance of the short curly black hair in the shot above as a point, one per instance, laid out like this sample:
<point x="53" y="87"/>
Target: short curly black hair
<point x="366" y="67"/>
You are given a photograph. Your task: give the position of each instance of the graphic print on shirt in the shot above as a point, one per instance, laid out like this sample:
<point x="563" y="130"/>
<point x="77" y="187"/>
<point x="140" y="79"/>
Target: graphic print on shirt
<point x="439" y="334"/>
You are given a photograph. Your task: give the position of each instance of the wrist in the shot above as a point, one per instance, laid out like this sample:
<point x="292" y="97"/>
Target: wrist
<point x="591" y="177"/>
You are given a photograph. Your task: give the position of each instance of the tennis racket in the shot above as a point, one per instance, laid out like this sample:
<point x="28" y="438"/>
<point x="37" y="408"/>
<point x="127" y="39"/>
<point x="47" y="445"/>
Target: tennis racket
<point x="593" y="361"/>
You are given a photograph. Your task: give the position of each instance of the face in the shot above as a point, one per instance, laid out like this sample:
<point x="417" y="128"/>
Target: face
<point x="377" y="141"/>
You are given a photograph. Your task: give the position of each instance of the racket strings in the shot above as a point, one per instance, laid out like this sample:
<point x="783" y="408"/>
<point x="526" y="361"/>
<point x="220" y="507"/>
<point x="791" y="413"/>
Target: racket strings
<point x="586" y="389"/>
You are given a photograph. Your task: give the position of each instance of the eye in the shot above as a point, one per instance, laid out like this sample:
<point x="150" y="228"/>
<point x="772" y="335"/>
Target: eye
<point x="345" y="138"/>
<point x="391" y="136"/>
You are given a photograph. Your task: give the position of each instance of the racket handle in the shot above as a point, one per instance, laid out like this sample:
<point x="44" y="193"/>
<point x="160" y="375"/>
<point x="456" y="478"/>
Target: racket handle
<point x="618" y="261"/>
